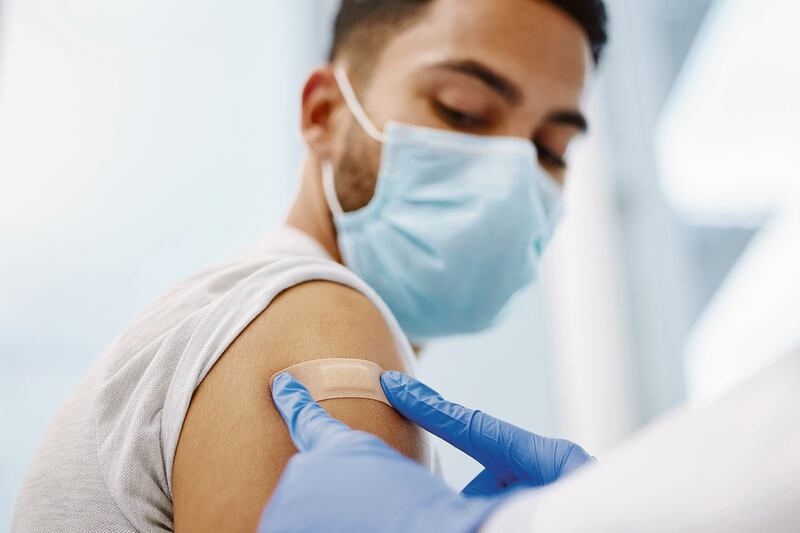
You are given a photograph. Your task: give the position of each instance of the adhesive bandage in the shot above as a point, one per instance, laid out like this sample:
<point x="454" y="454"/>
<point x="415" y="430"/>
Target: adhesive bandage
<point x="327" y="379"/>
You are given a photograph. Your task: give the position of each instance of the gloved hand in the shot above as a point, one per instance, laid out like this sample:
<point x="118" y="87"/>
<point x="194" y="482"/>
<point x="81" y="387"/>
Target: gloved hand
<point x="512" y="457"/>
<point x="350" y="481"/>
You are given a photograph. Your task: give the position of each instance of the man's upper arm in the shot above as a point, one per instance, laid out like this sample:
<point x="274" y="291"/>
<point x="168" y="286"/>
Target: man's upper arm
<point x="233" y="444"/>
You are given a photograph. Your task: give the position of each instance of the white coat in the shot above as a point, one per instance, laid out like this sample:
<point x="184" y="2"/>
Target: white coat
<point x="729" y="467"/>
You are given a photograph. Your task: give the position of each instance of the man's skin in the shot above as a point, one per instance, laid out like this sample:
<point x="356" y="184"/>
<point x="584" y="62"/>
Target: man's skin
<point x="502" y="68"/>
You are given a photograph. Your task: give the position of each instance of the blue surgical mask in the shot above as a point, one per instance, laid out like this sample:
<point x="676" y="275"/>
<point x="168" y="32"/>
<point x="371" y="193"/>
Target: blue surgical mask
<point x="455" y="228"/>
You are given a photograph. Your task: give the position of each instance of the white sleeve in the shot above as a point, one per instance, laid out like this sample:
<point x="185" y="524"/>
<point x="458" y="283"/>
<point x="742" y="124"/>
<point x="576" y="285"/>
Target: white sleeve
<point x="730" y="467"/>
<point x="515" y="516"/>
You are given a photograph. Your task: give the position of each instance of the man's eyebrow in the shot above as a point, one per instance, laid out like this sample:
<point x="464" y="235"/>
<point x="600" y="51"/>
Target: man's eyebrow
<point x="510" y="91"/>
<point x="570" y="118"/>
<point x="495" y="81"/>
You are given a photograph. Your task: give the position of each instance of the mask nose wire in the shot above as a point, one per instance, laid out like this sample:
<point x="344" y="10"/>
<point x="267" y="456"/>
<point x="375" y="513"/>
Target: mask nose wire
<point x="355" y="107"/>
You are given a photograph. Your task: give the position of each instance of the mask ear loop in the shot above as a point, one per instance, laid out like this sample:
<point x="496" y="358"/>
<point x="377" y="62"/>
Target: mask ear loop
<point x="355" y="107"/>
<point x="351" y="100"/>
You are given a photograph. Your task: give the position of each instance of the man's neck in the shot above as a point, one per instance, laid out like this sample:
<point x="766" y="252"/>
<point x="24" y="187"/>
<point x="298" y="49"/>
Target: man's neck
<point x="310" y="212"/>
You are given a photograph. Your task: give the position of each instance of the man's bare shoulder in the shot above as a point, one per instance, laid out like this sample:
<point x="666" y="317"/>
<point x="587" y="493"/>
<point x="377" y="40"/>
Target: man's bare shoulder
<point x="322" y="314"/>
<point x="233" y="445"/>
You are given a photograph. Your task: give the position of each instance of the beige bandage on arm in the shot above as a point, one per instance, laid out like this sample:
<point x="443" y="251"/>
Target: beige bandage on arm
<point x="327" y="379"/>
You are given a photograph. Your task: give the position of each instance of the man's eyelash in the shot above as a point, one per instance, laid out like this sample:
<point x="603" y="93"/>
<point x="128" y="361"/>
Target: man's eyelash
<point x="465" y="120"/>
<point x="459" y="118"/>
<point x="551" y="157"/>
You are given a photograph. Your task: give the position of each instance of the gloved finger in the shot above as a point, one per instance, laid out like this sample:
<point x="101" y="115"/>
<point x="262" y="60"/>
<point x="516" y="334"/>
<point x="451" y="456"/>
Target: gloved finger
<point x="484" y="484"/>
<point x="482" y="437"/>
<point x="308" y="423"/>
<point x="575" y="458"/>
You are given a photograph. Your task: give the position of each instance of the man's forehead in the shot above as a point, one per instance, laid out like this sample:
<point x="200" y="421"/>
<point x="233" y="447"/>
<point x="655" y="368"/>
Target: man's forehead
<point x="522" y="39"/>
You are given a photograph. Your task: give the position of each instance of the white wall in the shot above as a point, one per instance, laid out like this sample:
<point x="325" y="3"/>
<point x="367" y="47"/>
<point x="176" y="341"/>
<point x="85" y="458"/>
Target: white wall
<point x="728" y="151"/>
<point x="139" y="142"/>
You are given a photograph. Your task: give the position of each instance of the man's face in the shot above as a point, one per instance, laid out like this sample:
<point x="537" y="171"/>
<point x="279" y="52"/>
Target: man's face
<point x="500" y="68"/>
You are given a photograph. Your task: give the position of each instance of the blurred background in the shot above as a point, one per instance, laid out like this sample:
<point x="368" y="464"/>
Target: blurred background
<point x="143" y="141"/>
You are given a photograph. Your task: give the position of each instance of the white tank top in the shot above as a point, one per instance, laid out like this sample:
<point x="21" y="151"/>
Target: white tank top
<point x="105" y="464"/>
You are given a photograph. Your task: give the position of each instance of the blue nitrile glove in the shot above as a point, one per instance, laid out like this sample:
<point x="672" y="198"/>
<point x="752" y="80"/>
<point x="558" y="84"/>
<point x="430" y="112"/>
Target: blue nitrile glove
<point x="351" y="481"/>
<point x="512" y="457"/>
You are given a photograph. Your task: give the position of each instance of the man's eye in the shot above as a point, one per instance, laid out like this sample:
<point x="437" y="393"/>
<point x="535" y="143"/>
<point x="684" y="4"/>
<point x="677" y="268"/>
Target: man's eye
<point x="458" y="118"/>
<point x="550" y="158"/>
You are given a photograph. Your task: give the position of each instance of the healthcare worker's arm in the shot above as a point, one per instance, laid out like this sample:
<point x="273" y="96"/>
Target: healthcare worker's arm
<point x="234" y="445"/>
<point x="731" y="467"/>
<point x="345" y="480"/>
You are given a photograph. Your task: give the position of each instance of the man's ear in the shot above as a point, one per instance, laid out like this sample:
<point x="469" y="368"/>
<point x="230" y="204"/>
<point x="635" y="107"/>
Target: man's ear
<point x="322" y="102"/>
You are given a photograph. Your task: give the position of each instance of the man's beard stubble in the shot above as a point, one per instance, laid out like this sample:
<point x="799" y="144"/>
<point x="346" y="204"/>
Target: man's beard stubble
<point x="357" y="171"/>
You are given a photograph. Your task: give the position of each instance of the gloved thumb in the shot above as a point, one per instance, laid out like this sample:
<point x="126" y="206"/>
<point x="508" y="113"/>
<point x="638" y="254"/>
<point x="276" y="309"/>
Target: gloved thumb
<point x="308" y="423"/>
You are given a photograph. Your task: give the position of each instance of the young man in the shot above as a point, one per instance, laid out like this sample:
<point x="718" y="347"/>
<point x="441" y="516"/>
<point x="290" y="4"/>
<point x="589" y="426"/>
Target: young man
<point x="437" y="139"/>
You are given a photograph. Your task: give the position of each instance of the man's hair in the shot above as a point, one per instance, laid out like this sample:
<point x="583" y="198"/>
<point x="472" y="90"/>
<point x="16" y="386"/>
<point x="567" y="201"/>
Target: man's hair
<point x="362" y="27"/>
